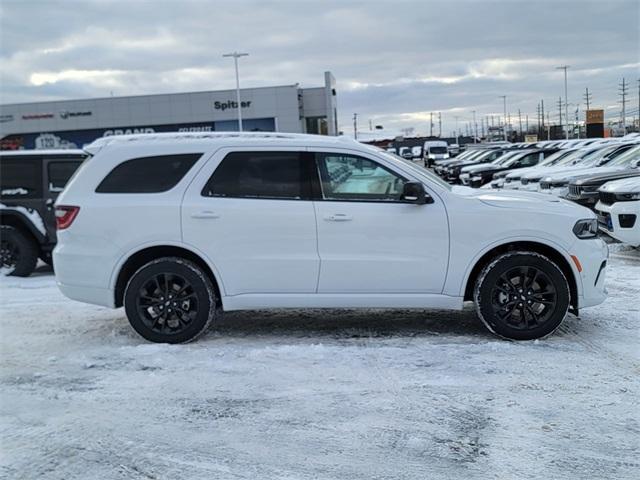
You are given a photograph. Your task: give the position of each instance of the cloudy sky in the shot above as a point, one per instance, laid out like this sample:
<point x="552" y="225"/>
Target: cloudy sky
<point x="394" y="61"/>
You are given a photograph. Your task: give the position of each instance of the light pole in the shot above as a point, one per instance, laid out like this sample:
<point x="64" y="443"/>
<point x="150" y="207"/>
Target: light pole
<point x="475" y="128"/>
<point x="457" y="131"/>
<point x="235" y="56"/>
<point x="566" y="102"/>
<point x="504" y="126"/>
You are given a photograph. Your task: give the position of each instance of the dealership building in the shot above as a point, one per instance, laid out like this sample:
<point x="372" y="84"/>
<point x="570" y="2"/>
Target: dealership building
<point x="74" y="123"/>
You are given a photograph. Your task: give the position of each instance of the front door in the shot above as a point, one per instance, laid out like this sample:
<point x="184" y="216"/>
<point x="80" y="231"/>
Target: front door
<point x="251" y="213"/>
<point x="369" y="241"/>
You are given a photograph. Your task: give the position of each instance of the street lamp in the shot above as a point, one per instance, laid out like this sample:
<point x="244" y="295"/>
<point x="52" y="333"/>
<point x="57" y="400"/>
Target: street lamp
<point x="566" y="102"/>
<point x="504" y="125"/>
<point x="235" y="56"/>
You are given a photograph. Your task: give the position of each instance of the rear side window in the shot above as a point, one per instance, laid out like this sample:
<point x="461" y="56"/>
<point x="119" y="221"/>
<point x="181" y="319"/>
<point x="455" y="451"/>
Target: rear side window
<point x="270" y="175"/>
<point x="21" y="177"/>
<point x="60" y="173"/>
<point x="148" y="174"/>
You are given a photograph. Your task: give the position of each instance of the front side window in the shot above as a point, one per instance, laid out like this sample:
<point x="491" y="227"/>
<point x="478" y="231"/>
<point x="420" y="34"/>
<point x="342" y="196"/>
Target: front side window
<point x="148" y="174"/>
<point x="21" y="177"/>
<point x="60" y="173"/>
<point x="267" y="175"/>
<point x="529" y="160"/>
<point x="349" y="177"/>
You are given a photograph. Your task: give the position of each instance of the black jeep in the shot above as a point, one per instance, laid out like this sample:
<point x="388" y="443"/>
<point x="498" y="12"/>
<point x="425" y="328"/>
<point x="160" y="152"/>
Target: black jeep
<point x="30" y="181"/>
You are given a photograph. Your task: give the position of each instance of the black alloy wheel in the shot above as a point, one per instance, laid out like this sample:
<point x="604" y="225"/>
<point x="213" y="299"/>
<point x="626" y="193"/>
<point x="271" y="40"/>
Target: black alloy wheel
<point x="170" y="300"/>
<point x="522" y="295"/>
<point x="18" y="252"/>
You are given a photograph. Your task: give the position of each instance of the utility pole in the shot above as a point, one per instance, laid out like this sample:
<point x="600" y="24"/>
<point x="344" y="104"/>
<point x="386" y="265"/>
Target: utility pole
<point x="370" y="126"/>
<point x="566" y="101"/>
<point x="504" y="104"/>
<point x="457" y="131"/>
<point x="439" y="124"/>
<point x="520" y="121"/>
<point x="623" y="101"/>
<point x="560" y="110"/>
<point x="355" y="126"/>
<point x="549" y="125"/>
<point x="236" y="56"/>
<point x="587" y="97"/>
<point x="475" y="127"/>
<point x="527" y="123"/>
<point x="431" y="124"/>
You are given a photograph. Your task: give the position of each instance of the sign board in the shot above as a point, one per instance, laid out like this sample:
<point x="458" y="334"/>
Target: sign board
<point x="595" y="116"/>
<point x="531" y="138"/>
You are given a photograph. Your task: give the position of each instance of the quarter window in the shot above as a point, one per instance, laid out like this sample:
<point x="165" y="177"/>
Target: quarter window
<point x="148" y="174"/>
<point x="348" y="177"/>
<point x="21" y="177"/>
<point x="269" y="175"/>
<point x="60" y="173"/>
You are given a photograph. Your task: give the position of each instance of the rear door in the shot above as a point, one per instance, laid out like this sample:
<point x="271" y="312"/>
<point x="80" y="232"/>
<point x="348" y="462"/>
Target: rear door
<point x="369" y="240"/>
<point x="250" y="211"/>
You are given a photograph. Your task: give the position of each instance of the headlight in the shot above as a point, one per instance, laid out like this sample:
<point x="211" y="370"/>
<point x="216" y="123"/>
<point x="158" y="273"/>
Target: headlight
<point x="627" y="197"/>
<point x="587" y="228"/>
<point x="476" y="178"/>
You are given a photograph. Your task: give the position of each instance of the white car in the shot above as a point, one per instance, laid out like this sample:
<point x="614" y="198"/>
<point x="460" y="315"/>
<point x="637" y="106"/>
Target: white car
<point x="619" y="208"/>
<point x="178" y="228"/>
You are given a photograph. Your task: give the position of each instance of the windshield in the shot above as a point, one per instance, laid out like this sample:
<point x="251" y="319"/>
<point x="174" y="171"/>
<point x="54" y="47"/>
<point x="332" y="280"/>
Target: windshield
<point x="507" y="158"/>
<point x="554" y="158"/>
<point x="626" y="158"/>
<point x="415" y="167"/>
<point x="438" y="150"/>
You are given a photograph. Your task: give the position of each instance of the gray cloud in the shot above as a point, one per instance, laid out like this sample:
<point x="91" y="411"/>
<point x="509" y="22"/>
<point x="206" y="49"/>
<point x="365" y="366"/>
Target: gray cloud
<point x="394" y="60"/>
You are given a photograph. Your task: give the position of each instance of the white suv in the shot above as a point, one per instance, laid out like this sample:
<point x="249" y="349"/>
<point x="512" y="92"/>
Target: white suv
<point x="180" y="227"/>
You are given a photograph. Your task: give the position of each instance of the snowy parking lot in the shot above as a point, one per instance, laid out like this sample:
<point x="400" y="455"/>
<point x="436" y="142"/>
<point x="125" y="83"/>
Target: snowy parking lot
<point x="318" y="394"/>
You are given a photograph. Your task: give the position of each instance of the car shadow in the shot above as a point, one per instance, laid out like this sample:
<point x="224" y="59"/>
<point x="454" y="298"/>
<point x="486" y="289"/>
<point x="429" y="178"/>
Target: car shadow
<point x="349" y="323"/>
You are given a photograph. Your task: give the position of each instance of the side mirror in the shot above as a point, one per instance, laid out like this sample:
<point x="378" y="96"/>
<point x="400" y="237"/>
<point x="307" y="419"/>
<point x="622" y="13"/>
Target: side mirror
<point x="413" y="192"/>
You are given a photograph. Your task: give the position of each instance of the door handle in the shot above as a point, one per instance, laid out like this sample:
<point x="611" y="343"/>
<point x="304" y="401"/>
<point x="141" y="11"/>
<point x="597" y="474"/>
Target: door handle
<point x="205" y="214"/>
<point x="338" y="217"/>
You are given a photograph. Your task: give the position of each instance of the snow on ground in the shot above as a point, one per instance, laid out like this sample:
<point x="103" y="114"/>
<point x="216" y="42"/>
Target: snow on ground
<point x="318" y="394"/>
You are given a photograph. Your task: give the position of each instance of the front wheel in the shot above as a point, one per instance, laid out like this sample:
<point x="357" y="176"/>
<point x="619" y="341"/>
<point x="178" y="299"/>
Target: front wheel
<point x="522" y="296"/>
<point x="170" y="300"/>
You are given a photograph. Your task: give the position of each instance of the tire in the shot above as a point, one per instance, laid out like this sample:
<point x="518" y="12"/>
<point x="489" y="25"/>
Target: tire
<point x="170" y="300"/>
<point x="47" y="258"/>
<point x="18" y="252"/>
<point x="522" y="296"/>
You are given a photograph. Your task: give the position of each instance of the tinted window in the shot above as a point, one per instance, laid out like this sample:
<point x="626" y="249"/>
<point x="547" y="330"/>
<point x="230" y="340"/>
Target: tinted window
<point x="276" y="175"/>
<point x="348" y="177"/>
<point x="148" y="174"/>
<point x="21" y="177"/>
<point x="60" y="173"/>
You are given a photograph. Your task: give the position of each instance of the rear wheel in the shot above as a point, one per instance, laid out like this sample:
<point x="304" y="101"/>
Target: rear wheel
<point x="522" y="296"/>
<point x="170" y="300"/>
<point x="18" y="252"/>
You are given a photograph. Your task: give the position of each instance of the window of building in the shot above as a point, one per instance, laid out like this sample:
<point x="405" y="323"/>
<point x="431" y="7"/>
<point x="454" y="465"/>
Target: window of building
<point x="60" y="173"/>
<point x="347" y="177"/>
<point x="21" y="177"/>
<point x="148" y="174"/>
<point x="317" y="125"/>
<point x="271" y="175"/>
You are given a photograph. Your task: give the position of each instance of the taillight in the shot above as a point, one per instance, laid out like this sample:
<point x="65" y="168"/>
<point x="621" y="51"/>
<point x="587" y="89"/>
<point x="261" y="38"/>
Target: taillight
<point x="65" y="215"/>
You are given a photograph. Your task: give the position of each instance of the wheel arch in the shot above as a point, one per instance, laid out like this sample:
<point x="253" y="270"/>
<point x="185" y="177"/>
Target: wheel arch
<point x="544" y="249"/>
<point x="141" y="257"/>
<point x="18" y="220"/>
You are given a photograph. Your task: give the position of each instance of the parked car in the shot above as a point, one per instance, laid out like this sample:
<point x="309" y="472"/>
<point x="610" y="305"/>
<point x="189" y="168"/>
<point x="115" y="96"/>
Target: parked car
<point x="435" y="150"/>
<point x="619" y="208"/>
<point x="479" y="175"/>
<point x="557" y="183"/>
<point x="513" y="175"/>
<point x="178" y="228"/>
<point x="30" y="181"/>
<point x="406" y="153"/>
<point x="452" y="171"/>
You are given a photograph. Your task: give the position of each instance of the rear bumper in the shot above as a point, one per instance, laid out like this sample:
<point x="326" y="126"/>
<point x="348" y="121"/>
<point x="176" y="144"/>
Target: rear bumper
<point x="97" y="296"/>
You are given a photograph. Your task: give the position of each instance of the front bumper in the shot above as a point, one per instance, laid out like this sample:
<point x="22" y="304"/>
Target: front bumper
<point x="609" y="221"/>
<point x="592" y="255"/>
